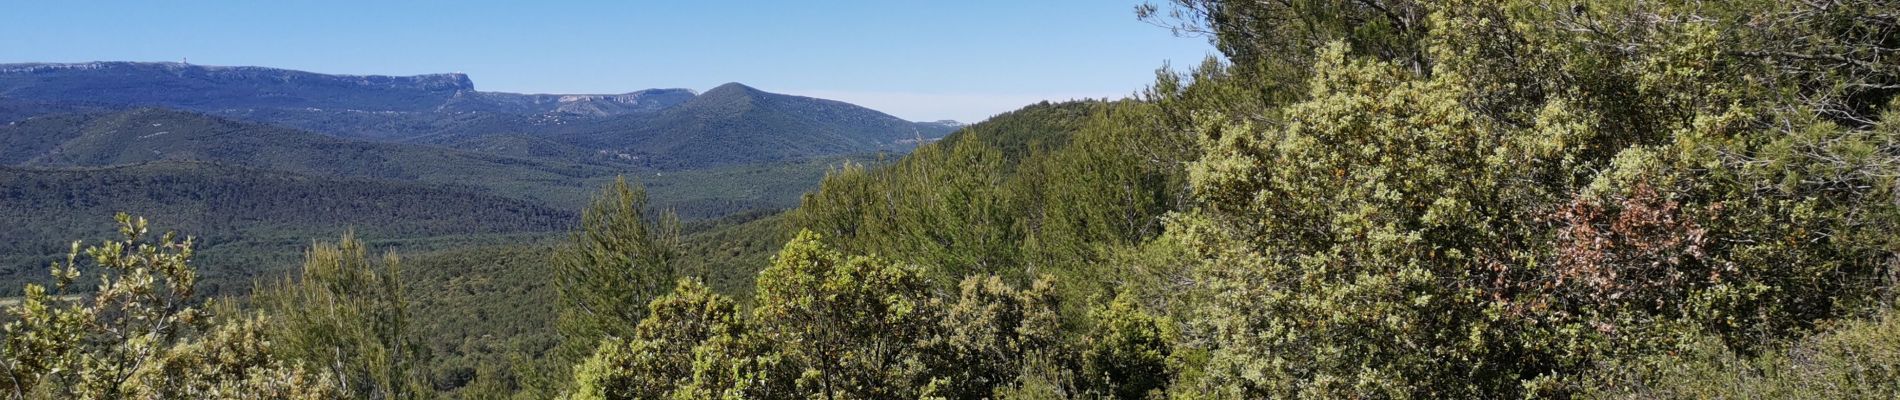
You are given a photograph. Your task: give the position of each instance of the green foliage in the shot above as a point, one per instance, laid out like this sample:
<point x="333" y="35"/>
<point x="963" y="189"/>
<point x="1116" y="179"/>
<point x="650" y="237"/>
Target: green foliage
<point x="850" y="326"/>
<point x="662" y="355"/>
<point x="349" y="317"/>
<point x="830" y="325"/>
<point x="719" y="192"/>
<point x="618" y="259"/>
<point x="1367" y="199"/>
<point x="1286" y="36"/>
<point x="1128" y="352"/>
<point x="234" y="360"/>
<point x="992" y="334"/>
<point x="130" y="337"/>
<point x="90" y="346"/>
<point x="1105" y="191"/>
<point x="729" y="252"/>
<point x="1042" y="190"/>
<point x="148" y="135"/>
<point x="948" y="218"/>
<point x="487" y="309"/>
<point x="289" y="204"/>
<point x="255" y="193"/>
<point x="484" y="312"/>
<point x="1858" y="360"/>
<point x="253" y="223"/>
<point x="1486" y="203"/>
<point x="1336" y="269"/>
<point x="945" y="205"/>
<point x="263" y="219"/>
<point x="1364" y="199"/>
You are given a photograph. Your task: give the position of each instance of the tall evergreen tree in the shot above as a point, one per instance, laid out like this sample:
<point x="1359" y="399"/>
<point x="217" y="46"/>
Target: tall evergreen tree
<point x="622" y="256"/>
<point x="350" y="317"/>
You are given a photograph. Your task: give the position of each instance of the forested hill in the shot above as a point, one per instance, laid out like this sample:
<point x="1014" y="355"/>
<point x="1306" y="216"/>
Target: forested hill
<point x="734" y="122"/>
<point x="219" y="199"/>
<point x="222" y="204"/>
<point x="124" y="137"/>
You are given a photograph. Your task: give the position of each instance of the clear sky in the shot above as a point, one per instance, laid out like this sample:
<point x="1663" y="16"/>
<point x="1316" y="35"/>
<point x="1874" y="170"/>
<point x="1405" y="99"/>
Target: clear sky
<point x="921" y="60"/>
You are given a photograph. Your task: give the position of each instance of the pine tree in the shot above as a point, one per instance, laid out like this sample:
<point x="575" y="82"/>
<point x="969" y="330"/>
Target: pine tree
<point x="622" y="256"/>
<point x="349" y="317"/>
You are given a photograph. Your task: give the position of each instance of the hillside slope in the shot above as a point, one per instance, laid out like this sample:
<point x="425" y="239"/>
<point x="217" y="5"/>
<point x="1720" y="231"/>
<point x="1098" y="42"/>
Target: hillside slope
<point x="144" y="135"/>
<point x="230" y="207"/>
<point x="736" y="123"/>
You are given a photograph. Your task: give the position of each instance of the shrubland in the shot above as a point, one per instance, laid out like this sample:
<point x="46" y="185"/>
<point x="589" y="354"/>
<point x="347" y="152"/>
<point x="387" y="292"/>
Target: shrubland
<point x="1358" y="199"/>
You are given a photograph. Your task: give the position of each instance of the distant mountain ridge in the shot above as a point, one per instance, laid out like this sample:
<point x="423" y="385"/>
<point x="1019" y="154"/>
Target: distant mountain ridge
<point x="219" y="88"/>
<point x="738" y="122"/>
<point x="643" y="101"/>
<point x="450" y="81"/>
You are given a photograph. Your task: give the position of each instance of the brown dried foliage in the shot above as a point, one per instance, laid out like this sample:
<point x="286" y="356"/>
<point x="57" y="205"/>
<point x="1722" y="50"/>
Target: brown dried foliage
<point x="1641" y="250"/>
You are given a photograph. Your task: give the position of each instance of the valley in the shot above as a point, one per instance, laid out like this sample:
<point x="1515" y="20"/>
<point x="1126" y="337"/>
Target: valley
<point x="255" y="161"/>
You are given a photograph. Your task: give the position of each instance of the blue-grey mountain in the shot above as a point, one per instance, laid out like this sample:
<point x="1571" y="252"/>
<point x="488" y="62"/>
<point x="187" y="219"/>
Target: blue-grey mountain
<point x="669" y="128"/>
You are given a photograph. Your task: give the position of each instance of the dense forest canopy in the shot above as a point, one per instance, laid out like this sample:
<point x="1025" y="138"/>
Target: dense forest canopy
<point x="1357" y="199"/>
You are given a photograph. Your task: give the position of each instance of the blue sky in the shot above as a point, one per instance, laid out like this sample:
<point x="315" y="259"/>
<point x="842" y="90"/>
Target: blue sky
<point x="921" y="60"/>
